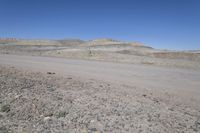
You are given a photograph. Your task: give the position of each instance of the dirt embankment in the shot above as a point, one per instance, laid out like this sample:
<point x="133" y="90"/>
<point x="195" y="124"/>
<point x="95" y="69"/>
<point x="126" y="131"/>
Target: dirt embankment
<point x="178" y="55"/>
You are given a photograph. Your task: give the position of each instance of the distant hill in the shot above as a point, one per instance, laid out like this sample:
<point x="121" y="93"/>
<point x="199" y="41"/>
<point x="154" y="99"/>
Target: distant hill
<point x="7" y="40"/>
<point x="105" y="49"/>
<point x="104" y="41"/>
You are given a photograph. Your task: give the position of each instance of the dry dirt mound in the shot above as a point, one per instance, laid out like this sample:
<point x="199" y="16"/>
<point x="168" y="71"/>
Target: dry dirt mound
<point x="178" y="55"/>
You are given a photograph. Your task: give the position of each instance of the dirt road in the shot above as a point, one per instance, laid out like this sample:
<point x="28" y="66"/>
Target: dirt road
<point x="181" y="82"/>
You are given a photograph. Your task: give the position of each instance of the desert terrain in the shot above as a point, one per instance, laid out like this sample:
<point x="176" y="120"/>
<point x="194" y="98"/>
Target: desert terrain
<point x="97" y="86"/>
<point x="108" y="50"/>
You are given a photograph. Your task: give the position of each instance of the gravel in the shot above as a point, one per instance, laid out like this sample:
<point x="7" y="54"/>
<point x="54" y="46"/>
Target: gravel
<point x="41" y="102"/>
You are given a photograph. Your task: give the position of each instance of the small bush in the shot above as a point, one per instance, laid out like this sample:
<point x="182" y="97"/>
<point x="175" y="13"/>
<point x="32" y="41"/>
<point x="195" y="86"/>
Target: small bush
<point x="5" y="108"/>
<point x="4" y="130"/>
<point x="62" y="114"/>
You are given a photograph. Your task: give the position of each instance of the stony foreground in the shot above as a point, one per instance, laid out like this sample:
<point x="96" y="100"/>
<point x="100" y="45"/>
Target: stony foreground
<point x="43" y="102"/>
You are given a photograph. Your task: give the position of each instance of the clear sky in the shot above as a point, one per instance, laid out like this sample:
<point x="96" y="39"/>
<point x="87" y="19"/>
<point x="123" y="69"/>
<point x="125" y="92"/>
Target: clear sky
<point x="170" y="24"/>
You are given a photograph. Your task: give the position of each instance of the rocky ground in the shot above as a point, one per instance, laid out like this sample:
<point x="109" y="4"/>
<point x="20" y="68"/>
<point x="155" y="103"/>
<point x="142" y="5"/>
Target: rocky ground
<point x="44" y="102"/>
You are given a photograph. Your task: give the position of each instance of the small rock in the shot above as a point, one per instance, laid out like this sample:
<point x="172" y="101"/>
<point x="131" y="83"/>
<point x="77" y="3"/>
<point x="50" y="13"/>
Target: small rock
<point x="156" y="100"/>
<point x="92" y="121"/>
<point x="48" y="114"/>
<point x="51" y="73"/>
<point x="47" y="118"/>
<point x="18" y="96"/>
<point x="51" y="89"/>
<point x="144" y="95"/>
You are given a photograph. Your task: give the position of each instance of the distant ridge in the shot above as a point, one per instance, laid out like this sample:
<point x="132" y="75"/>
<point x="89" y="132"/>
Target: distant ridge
<point x="7" y="40"/>
<point x="103" y="41"/>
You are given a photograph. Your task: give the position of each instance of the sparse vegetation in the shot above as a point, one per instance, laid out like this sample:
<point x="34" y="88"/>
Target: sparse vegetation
<point x="62" y="114"/>
<point x="5" y="108"/>
<point x="4" y="130"/>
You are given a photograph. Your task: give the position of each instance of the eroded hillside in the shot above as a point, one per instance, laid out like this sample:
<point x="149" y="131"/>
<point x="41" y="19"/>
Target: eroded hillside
<point x="102" y="49"/>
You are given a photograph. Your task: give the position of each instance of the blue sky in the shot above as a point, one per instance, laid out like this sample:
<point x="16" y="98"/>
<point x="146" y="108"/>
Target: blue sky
<point x="169" y="24"/>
